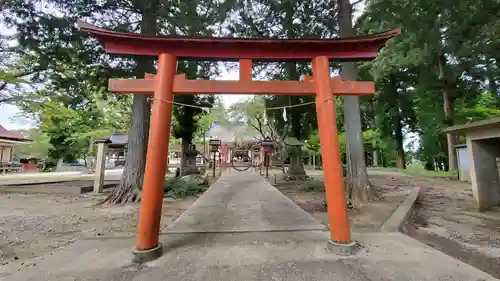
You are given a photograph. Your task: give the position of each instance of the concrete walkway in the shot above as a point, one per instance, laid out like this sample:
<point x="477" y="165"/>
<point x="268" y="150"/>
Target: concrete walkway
<point x="237" y="231"/>
<point x="243" y="202"/>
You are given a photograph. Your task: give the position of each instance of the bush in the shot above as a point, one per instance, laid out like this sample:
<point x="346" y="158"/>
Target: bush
<point x="178" y="188"/>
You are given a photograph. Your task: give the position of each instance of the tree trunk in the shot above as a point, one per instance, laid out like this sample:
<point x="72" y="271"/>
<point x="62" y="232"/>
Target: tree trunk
<point x="358" y="186"/>
<point x="183" y="160"/>
<point x="400" y="161"/>
<point x="205" y="145"/>
<point x="375" y="157"/>
<point x="429" y="165"/>
<point x="444" y="165"/>
<point x="133" y="172"/>
<point x="188" y="159"/>
<point x="59" y="165"/>
<point x="490" y="72"/>
<point x="296" y="170"/>
<point x="498" y="168"/>
<point x="448" y="113"/>
<point x="282" y="155"/>
<point x="314" y="161"/>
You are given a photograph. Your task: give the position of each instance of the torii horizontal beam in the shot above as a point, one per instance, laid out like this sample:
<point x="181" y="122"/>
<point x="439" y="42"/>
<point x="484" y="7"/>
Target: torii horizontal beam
<point x="182" y="86"/>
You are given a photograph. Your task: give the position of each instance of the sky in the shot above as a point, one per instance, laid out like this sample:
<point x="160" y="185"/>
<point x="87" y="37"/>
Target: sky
<point x="7" y="118"/>
<point x="9" y="113"/>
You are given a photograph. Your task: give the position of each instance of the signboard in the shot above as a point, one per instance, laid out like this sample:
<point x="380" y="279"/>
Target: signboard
<point x="215" y="142"/>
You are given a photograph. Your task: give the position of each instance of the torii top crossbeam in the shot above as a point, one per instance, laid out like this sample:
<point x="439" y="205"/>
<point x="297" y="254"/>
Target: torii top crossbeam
<point x="224" y="48"/>
<point x="246" y="50"/>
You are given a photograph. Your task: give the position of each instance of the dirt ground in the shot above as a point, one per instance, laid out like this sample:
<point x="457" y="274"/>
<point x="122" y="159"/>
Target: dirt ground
<point x="32" y="225"/>
<point x="446" y="218"/>
<point x="370" y="217"/>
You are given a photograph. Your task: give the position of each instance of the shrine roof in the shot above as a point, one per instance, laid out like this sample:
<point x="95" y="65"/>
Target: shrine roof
<point x="225" y="48"/>
<point x="463" y="129"/>
<point x="11" y="135"/>
<point x="116" y="140"/>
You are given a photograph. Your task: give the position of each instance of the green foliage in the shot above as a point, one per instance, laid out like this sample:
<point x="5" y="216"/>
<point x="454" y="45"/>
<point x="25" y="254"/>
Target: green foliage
<point x="179" y="188"/>
<point x="484" y="107"/>
<point x="195" y="18"/>
<point x="217" y="113"/>
<point x="313" y="142"/>
<point x="286" y="19"/>
<point x="411" y="83"/>
<point x="371" y="139"/>
<point x="252" y="111"/>
<point x="71" y="129"/>
<point x="72" y="107"/>
<point x="39" y="147"/>
<point x="60" y="123"/>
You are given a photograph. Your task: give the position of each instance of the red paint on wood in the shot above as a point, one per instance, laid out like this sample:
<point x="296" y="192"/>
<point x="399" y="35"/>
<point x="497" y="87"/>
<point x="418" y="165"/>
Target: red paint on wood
<point x="245" y="70"/>
<point x="352" y="48"/>
<point x="182" y="86"/>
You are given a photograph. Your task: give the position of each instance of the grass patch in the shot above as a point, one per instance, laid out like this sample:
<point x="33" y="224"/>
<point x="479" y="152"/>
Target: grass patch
<point x="419" y="170"/>
<point x="179" y="188"/>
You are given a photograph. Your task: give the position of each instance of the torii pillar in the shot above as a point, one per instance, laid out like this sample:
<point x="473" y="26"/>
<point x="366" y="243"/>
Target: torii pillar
<point x="330" y="149"/>
<point x="156" y="163"/>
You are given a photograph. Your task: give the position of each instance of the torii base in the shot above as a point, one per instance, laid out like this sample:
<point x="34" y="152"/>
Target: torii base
<point x="349" y="249"/>
<point x="142" y="256"/>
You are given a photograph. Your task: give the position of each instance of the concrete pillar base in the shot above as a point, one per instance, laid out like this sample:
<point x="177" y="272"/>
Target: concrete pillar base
<point x="142" y="256"/>
<point x="343" y="249"/>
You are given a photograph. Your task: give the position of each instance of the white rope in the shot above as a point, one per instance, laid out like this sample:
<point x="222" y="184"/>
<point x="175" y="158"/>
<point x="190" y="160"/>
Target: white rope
<point x="209" y="108"/>
<point x="289" y="106"/>
<point x="181" y="104"/>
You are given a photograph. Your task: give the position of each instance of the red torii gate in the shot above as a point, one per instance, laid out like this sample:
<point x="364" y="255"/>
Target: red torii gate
<point x="166" y="83"/>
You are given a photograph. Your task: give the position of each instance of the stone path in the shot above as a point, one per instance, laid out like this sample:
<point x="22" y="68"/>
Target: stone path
<point x="243" y="202"/>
